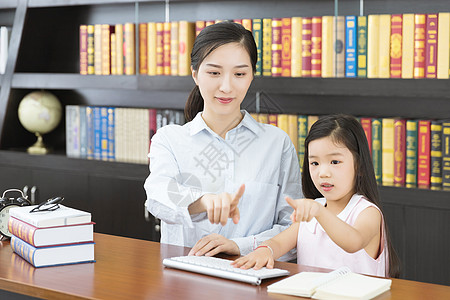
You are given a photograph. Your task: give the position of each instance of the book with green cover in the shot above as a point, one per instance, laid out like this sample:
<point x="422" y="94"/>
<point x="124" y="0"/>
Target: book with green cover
<point x="376" y="148"/>
<point x="302" y="132"/>
<point x="411" y="153"/>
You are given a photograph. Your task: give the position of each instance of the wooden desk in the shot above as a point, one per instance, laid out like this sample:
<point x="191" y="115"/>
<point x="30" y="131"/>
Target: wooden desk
<point x="132" y="269"/>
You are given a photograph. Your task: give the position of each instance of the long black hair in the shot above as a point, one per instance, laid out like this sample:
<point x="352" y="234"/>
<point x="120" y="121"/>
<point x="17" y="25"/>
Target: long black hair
<point x="347" y="131"/>
<point x="209" y="39"/>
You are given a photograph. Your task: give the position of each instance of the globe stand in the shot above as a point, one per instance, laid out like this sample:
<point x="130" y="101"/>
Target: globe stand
<point x="38" y="147"/>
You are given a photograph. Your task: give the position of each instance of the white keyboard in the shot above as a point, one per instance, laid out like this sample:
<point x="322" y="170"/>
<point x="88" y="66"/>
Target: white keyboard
<point x="220" y="267"/>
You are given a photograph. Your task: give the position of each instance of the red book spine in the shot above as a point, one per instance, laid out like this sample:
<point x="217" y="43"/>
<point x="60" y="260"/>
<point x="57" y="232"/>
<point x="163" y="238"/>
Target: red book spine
<point x="419" y="45"/>
<point x="276" y="47"/>
<point x="399" y="152"/>
<point x="22" y="230"/>
<point x="159" y="49"/>
<point x="431" y="46"/>
<point x="396" y="45"/>
<point x="273" y="119"/>
<point x="366" y="124"/>
<point x="423" y="153"/>
<point x="306" y="46"/>
<point x="286" y="47"/>
<point x="316" y="47"/>
<point x="83" y="50"/>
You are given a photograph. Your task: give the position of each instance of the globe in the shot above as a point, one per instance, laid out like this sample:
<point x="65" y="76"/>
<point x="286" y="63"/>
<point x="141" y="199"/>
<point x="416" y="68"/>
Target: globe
<point x="39" y="112"/>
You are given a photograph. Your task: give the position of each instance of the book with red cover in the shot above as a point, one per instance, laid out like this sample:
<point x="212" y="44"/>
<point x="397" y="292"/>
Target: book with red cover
<point x="286" y="47"/>
<point x="276" y="47"/>
<point x="423" y="153"/>
<point x="306" y="46"/>
<point x="83" y="50"/>
<point x="143" y="48"/>
<point x="159" y="48"/>
<point x="419" y="45"/>
<point x="273" y="119"/>
<point x="316" y="47"/>
<point x="366" y="124"/>
<point x="431" y="46"/>
<point x="399" y="151"/>
<point x="396" y="45"/>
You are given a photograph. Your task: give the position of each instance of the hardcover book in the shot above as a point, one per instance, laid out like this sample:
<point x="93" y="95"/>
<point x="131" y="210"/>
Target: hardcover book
<point x="411" y="153"/>
<point x="119" y="49"/>
<point x="316" y="47"/>
<point x="296" y="47"/>
<point x="302" y="133"/>
<point x="90" y="50"/>
<point x="384" y="46"/>
<point x="436" y="155"/>
<point x="286" y="36"/>
<point x="151" y="48"/>
<point x="276" y="47"/>
<point x="267" y="47"/>
<point x="185" y="43"/>
<point x="446" y="155"/>
<point x="373" y="37"/>
<point x="328" y="37"/>
<point x="376" y="148"/>
<point x="166" y="48"/>
<point x="129" y="49"/>
<point x="339" y="46"/>
<point x="257" y="35"/>
<point x="362" y="47"/>
<point x="143" y="50"/>
<point x="443" y="51"/>
<point x="98" y="49"/>
<point x="174" y="47"/>
<point x="396" y="45"/>
<point x="350" y="46"/>
<point x="408" y="46"/>
<point x="387" y="151"/>
<point x="159" y="48"/>
<point x="431" y="46"/>
<point x="83" y="50"/>
<point x="399" y="151"/>
<point x="419" y="45"/>
<point x="366" y="124"/>
<point x="306" y="46"/>
<point x="423" y="153"/>
<point x="106" y="48"/>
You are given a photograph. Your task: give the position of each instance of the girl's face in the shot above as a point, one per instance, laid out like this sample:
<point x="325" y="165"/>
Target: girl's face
<point x="223" y="78"/>
<point x="332" y="170"/>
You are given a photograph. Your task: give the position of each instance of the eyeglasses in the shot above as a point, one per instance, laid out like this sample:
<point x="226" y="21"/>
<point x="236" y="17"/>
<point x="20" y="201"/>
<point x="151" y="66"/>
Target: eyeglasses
<point x="49" y="205"/>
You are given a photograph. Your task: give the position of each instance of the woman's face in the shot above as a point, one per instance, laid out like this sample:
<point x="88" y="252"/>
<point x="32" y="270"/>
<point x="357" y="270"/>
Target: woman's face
<point x="223" y="78"/>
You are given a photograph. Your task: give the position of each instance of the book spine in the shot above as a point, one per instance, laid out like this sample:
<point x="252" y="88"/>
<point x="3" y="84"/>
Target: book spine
<point x="276" y="47"/>
<point x="166" y="48"/>
<point x="387" y="151"/>
<point x="90" y="132"/>
<point x="350" y="46"/>
<point x="151" y="48"/>
<point x="419" y="45"/>
<point x="83" y="132"/>
<point x="143" y="51"/>
<point x="316" y="47"/>
<point x="362" y="47"/>
<point x="302" y="133"/>
<point x="111" y="134"/>
<point x="311" y="120"/>
<point x="408" y="46"/>
<point x="399" y="152"/>
<point x="247" y="23"/>
<point x="72" y="131"/>
<point x="366" y="124"/>
<point x="97" y="132"/>
<point x="267" y="47"/>
<point x="443" y="51"/>
<point x="411" y="153"/>
<point x="431" y="46"/>
<point x="293" y="130"/>
<point x="396" y="45"/>
<point x="446" y="155"/>
<point x="90" y="50"/>
<point x="257" y="35"/>
<point x="185" y="43"/>
<point x="22" y="230"/>
<point x="328" y="35"/>
<point x="104" y="150"/>
<point x="282" y="122"/>
<point x="373" y="46"/>
<point x="83" y="50"/>
<point x="199" y="25"/>
<point x="129" y="48"/>
<point x="23" y="249"/>
<point x="384" y="46"/>
<point x="119" y="49"/>
<point x="159" y="48"/>
<point x="174" y="47"/>
<point x="106" y="49"/>
<point x="263" y="118"/>
<point x="340" y="46"/>
<point x="423" y="154"/>
<point x="436" y="155"/>
<point x="376" y="148"/>
<point x="286" y="36"/>
<point x="273" y="119"/>
<point x="306" y="46"/>
<point x="113" y="54"/>
<point x="152" y="125"/>
<point x="98" y="49"/>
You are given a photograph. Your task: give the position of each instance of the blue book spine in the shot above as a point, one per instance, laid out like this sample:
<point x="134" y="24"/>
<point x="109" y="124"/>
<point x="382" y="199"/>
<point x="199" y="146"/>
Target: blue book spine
<point x="111" y="133"/>
<point x="350" y="46"/>
<point x="23" y="249"/>
<point x="97" y="133"/>
<point x="83" y="132"/>
<point x="90" y="132"/>
<point x="104" y="150"/>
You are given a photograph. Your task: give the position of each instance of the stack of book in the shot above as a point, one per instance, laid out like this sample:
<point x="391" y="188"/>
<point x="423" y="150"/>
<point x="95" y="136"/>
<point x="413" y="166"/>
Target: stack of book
<point x="50" y="238"/>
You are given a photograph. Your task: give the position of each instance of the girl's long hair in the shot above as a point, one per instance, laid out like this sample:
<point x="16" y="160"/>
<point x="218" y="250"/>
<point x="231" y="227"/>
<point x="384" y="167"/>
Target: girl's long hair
<point x="347" y="131"/>
<point x="208" y="40"/>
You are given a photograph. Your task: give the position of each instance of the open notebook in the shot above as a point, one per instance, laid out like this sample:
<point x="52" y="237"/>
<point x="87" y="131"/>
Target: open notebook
<point x="339" y="284"/>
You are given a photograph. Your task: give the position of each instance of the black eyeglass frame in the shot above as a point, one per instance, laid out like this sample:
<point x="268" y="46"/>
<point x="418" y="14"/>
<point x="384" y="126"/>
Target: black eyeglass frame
<point x="49" y="205"/>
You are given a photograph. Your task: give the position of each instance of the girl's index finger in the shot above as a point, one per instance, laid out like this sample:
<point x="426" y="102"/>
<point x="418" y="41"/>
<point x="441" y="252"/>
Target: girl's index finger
<point x="239" y="193"/>
<point x="291" y="202"/>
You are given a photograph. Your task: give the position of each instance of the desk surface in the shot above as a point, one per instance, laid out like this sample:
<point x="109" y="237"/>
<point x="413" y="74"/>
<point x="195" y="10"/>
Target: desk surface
<point x="132" y="269"/>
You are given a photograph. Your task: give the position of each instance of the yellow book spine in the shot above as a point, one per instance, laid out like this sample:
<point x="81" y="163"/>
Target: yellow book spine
<point x="296" y="47"/>
<point x="283" y="123"/>
<point x="373" y="34"/>
<point x="408" y="46"/>
<point x="119" y="49"/>
<point x="106" y="49"/>
<point x="130" y="53"/>
<point x="384" y="50"/>
<point x="263" y="118"/>
<point x="143" y="48"/>
<point x="113" y="54"/>
<point x="311" y="120"/>
<point x="151" y="48"/>
<point x="159" y="48"/>
<point x="328" y="61"/>
<point x="98" y="49"/>
<point x="293" y="130"/>
<point x="90" y="50"/>
<point x="267" y="47"/>
<point x="443" y="51"/>
<point x="185" y="43"/>
<point x="174" y="31"/>
<point x="166" y="48"/>
<point x="387" y="151"/>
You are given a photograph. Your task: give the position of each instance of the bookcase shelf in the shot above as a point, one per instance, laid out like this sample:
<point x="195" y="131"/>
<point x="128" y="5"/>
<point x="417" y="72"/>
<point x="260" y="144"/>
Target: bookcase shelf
<point x="44" y="55"/>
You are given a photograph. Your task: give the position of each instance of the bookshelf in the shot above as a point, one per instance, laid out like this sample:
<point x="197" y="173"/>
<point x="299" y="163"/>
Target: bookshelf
<point x="43" y="54"/>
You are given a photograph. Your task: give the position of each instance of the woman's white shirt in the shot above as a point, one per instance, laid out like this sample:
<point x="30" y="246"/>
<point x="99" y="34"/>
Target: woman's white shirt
<point x="189" y="161"/>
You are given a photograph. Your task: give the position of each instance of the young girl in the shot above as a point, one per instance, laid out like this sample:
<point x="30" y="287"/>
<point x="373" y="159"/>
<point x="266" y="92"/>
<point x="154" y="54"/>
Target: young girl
<point x="222" y="164"/>
<point x="344" y="225"/>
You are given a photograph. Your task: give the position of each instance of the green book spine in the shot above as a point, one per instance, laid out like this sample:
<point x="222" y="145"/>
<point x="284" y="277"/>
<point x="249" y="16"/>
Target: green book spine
<point x="362" y="46"/>
<point x="302" y="132"/>
<point x="436" y="155"/>
<point x="257" y="34"/>
<point x="376" y="148"/>
<point x="411" y="153"/>
<point x="446" y="155"/>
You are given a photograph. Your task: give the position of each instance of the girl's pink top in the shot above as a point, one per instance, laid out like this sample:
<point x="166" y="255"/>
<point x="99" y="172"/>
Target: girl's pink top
<point x="315" y="248"/>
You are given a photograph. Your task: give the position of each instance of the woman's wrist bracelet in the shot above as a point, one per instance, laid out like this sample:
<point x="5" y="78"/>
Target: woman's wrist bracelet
<point x="265" y="246"/>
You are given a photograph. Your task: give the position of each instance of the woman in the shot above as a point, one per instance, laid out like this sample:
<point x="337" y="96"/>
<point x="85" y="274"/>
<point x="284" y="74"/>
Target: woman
<point x="221" y="164"/>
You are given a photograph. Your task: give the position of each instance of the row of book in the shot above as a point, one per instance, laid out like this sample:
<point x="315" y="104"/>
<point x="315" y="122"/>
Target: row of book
<point x="114" y="133"/>
<point x="405" y="152"/>
<point x="4" y="41"/>
<point x="373" y="46"/>
<point x="53" y="237"/>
